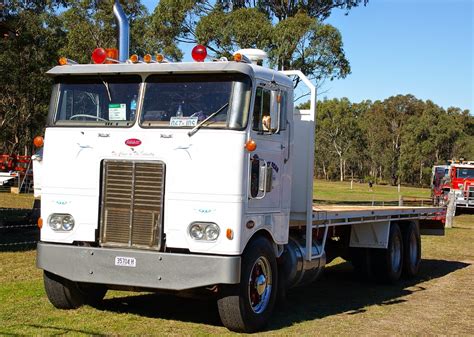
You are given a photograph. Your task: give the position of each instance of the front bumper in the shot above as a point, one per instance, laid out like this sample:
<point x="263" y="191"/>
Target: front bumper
<point x="465" y="203"/>
<point x="153" y="269"/>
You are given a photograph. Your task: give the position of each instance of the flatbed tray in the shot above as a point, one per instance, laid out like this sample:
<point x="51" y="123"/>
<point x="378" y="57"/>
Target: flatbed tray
<point x="344" y="215"/>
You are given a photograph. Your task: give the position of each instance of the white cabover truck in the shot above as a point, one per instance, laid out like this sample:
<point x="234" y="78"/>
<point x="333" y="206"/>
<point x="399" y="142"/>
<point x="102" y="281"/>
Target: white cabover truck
<point x="196" y="177"/>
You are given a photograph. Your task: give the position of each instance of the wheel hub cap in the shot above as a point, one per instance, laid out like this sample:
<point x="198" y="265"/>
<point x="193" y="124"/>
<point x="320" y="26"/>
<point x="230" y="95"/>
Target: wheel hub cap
<point x="260" y="285"/>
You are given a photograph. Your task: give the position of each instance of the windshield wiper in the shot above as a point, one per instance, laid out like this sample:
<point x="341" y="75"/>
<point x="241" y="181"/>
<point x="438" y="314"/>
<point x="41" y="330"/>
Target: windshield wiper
<point x="214" y="114"/>
<point x="106" y="87"/>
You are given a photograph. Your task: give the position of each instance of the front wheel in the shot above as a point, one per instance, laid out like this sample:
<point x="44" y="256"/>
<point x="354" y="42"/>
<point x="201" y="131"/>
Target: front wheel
<point x="66" y="294"/>
<point x="247" y="307"/>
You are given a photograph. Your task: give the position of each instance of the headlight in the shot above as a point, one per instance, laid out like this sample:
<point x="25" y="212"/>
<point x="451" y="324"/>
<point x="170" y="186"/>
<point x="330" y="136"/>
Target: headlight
<point x="61" y="222"/>
<point x="212" y="232"/>
<point x="204" y="231"/>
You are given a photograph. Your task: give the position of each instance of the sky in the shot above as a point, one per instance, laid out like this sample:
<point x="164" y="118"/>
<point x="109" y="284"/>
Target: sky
<point x="419" y="47"/>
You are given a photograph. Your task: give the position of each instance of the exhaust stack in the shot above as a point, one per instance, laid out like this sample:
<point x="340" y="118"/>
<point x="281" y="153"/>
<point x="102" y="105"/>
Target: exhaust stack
<point x="123" y="32"/>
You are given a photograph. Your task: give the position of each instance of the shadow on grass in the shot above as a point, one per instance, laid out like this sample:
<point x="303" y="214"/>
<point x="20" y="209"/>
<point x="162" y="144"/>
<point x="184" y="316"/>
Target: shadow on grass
<point x="338" y="291"/>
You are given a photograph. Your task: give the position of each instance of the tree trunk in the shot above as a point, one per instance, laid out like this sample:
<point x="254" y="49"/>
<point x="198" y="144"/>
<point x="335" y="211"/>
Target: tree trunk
<point x="341" y="168"/>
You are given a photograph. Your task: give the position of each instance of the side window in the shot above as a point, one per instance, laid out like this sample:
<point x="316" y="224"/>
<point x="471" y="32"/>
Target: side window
<point x="261" y="110"/>
<point x="269" y="113"/>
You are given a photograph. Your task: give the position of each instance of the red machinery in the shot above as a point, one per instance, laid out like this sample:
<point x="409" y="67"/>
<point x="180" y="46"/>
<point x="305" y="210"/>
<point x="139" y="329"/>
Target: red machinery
<point x="457" y="176"/>
<point x="13" y="162"/>
<point x="461" y="178"/>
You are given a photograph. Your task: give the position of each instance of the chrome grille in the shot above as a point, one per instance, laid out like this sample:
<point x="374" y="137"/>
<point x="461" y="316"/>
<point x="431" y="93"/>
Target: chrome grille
<point x="132" y="204"/>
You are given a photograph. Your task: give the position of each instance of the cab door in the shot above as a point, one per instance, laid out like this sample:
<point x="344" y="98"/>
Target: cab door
<point x="267" y="164"/>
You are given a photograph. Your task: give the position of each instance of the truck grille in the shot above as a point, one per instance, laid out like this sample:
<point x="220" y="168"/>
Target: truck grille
<point x="132" y="204"/>
<point x="470" y="193"/>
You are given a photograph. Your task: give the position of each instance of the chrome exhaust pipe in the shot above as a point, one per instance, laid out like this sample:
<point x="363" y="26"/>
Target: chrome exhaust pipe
<point x="123" y="32"/>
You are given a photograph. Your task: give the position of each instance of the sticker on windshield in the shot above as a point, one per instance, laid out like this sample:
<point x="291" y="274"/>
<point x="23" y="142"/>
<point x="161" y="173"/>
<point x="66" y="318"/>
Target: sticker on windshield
<point x="117" y="112"/>
<point x="183" y="121"/>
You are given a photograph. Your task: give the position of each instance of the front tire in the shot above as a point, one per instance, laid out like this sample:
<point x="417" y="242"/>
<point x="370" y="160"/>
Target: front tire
<point x="247" y="307"/>
<point x="66" y="294"/>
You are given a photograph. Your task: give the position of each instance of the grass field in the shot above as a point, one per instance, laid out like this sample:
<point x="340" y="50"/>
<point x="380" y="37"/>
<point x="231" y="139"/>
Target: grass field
<point x="341" y="191"/>
<point x="440" y="301"/>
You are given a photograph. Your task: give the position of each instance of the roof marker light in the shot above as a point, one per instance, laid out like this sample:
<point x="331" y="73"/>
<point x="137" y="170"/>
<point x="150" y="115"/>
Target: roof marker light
<point x="134" y="58"/>
<point x="65" y="61"/>
<point x="38" y="141"/>
<point x="99" y="55"/>
<point x="112" y="56"/>
<point x="160" y="58"/>
<point x="199" y="53"/>
<point x="62" y="61"/>
<point x="148" y="59"/>
<point x="237" y="57"/>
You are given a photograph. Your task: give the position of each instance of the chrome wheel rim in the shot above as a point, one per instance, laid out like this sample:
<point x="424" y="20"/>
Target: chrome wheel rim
<point x="260" y="285"/>
<point x="396" y="253"/>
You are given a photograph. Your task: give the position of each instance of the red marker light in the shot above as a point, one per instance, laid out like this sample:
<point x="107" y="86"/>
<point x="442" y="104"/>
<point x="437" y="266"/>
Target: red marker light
<point x="99" y="55"/>
<point x="199" y="53"/>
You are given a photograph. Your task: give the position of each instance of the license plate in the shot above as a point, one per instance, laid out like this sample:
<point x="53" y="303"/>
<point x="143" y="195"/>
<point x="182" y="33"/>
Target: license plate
<point x="183" y="121"/>
<point x="122" y="261"/>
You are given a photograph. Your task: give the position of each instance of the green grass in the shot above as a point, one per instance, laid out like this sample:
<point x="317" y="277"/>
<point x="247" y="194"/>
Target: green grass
<point x="440" y="301"/>
<point x="9" y="200"/>
<point x="341" y="191"/>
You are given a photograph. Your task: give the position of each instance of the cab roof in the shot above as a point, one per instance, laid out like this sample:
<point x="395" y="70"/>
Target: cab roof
<point x="252" y="70"/>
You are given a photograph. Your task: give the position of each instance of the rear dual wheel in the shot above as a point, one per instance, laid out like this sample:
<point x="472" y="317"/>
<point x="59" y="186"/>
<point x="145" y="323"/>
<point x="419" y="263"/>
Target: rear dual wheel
<point x="402" y="256"/>
<point x="411" y="250"/>
<point x="388" y="263"/>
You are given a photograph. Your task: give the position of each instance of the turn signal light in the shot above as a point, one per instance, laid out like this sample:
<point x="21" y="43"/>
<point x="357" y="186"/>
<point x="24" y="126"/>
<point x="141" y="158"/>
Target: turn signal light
<point x="40" y="223"/>
<point x="38" y="141"/>
<point x="229" y="233"/>
<point x="250" y="145"/>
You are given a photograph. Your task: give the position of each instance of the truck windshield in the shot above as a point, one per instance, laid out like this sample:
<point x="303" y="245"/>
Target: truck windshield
<point x="97" y="100"/>
<point x="185" y="100"/>
<point x="465" y="173"/>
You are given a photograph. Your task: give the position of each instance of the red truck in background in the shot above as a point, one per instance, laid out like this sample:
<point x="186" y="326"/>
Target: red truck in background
<point x="457" y="176"/>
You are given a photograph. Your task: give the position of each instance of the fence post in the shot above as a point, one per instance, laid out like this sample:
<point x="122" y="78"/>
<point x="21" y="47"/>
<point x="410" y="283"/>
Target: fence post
<point x="400" y="200"/>
<point x="451" y="210"/>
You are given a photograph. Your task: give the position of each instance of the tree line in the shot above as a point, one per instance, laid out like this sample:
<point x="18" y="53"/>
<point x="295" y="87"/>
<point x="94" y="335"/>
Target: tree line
<point x="394" y="141"/>
<point x="36" y="33"/>
<point x="404" y="138"/>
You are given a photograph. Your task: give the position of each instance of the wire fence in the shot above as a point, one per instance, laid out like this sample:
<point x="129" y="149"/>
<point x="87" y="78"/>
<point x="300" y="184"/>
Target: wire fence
<point x="18" y="229"/>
